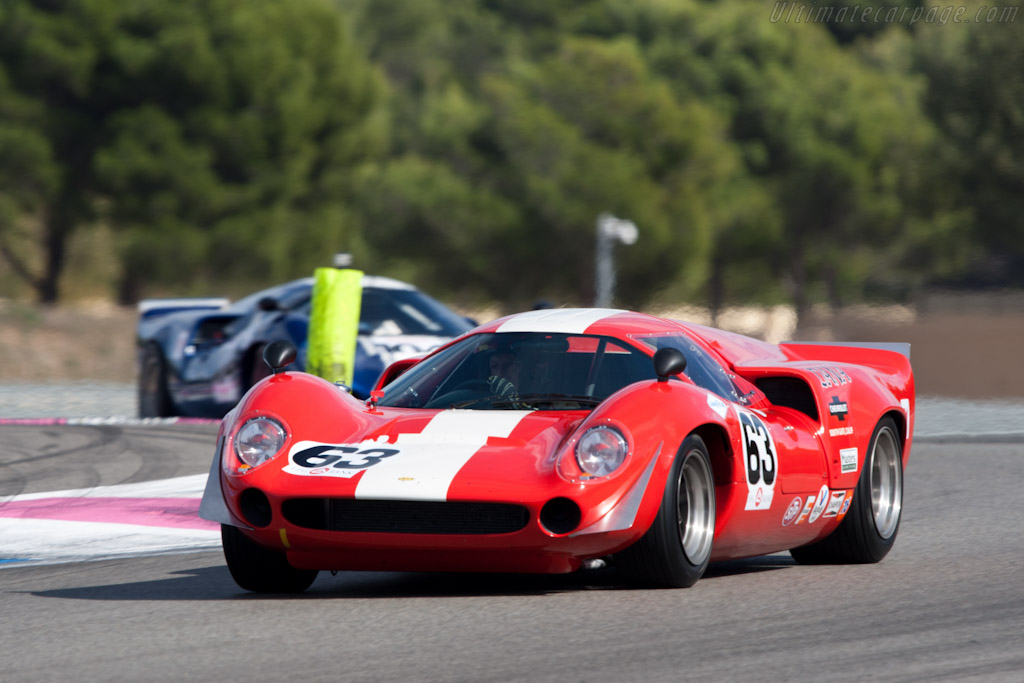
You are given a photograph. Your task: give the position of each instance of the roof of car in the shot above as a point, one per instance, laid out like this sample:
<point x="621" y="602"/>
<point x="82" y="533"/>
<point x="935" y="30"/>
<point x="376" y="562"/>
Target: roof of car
<point x="608" y="321"/>
<point x="375" y="281"/>
<point x="580" y="321"/>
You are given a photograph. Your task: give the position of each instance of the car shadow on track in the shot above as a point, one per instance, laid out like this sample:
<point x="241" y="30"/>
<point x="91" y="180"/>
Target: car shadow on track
<point x="215" y="583"/>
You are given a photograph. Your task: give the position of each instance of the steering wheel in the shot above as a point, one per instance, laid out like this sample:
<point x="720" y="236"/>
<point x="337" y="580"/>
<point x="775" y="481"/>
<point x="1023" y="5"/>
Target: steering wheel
<point x="466" y="390"/>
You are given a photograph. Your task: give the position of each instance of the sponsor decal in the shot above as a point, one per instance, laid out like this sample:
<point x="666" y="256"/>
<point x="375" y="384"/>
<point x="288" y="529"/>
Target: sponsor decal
<point x="830" y="376"/>
<point x="792" y="511"/>
<point x="308" y="458"/>
<point x="835" y="502"/>
<point x="718" y="405"/>
<point x="838" y="409"/>
<point x="844" y="508"/>
<point x="806" y="511"/>
<point x="819" y="505"/>
<point x="761" y="460"/>
<point x="847" y="460"/>
<point x="397" y="347"/>
<point x="840" y="431"/>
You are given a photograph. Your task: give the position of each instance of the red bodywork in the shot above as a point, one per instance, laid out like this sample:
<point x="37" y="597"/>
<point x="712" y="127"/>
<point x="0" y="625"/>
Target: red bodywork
<point x="819" y="406"/>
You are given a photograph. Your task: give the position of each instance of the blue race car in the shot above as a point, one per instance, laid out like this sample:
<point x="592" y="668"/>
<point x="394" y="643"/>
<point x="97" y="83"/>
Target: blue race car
<point x="198" y="357"/>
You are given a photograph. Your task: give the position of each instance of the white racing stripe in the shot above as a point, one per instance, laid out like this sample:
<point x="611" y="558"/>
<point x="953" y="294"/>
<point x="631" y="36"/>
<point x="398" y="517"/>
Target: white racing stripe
<point x="431" y="459"/>
<point x="179" y="487"/>
<point x="50" y="541"/>
<point x="564" y="320"/>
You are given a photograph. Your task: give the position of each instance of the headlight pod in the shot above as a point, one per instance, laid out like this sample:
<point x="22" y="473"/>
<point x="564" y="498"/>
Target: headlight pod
<point x="258" y="441"/>
<point x="601" y="450"/>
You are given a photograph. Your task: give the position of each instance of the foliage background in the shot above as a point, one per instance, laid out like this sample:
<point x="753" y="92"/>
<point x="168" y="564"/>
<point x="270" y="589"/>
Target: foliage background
<point x="175" y="147"/>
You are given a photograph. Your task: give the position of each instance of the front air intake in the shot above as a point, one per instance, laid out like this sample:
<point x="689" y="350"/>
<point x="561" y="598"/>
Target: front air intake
<point x="560" y="515"/>
<point x="255" y="507"/>
<point x="405" y="516"/>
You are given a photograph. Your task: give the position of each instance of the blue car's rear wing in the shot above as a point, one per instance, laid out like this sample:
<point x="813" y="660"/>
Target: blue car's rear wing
<point x="153" y="308"/>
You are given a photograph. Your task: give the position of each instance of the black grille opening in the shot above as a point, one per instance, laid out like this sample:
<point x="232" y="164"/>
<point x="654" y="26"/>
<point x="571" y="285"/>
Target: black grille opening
<point x="790" y="392"/>
<point x="405" y="516"/>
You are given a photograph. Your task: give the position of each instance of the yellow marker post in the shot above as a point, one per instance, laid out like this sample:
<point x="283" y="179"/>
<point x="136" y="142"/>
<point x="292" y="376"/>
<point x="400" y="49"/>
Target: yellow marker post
<point x="334" y="323"/>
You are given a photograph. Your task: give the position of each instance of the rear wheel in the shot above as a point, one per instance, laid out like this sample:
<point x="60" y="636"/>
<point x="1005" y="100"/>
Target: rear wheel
<point x="675" y="551"/>
<point x="154" y="398"/>
<point x="868" y="531"/>
<point x="260" y="569"/>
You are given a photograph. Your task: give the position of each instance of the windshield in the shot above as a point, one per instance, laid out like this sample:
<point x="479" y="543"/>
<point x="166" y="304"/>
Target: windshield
<point x="702" y="370"/>
<point x="407" y="311"/>
<point x="521" y="371"/>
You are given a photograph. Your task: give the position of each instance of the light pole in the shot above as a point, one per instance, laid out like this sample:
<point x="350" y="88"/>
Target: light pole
<point x="609" y="230"/>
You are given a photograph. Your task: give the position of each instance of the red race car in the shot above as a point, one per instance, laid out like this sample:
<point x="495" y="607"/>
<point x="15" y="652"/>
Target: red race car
<point x="545" y="441"/>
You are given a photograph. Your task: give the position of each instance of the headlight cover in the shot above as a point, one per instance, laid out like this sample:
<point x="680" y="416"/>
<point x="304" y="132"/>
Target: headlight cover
<point x="258" y="441"/>
<point x="601" y="450"/>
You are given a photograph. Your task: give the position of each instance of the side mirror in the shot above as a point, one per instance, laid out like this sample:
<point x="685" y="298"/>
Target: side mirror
<point x="268" y="304"/>
<point x="279" y="354"/>
<point x="667" y="362"/>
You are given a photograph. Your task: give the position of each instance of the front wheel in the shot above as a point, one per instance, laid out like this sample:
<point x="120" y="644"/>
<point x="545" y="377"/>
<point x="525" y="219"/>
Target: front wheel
<point x="260" y="569"/>
<point x="153" y="395"/>
<point x="868" y="531"/>
<point x="675" y="551"/>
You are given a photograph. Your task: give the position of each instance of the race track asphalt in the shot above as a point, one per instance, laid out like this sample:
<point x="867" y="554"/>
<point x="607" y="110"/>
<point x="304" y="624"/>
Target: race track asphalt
<point x="946" y="605"/>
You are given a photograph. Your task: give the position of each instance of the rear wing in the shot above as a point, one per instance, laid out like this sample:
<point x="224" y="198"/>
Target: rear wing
<point x="901" y="348"/>
<point x="891" y="358"/>
<point x="154" y="308"/>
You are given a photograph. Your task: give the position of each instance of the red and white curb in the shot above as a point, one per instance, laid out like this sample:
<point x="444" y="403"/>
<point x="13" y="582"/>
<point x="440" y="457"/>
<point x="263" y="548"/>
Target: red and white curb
<point x="105" y="522"/>
<point x="103" y="421"/>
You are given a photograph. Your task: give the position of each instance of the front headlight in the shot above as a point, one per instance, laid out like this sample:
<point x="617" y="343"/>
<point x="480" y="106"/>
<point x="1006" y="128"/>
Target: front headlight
<point x="259" y="440"/>
<point x="601" y="450"/>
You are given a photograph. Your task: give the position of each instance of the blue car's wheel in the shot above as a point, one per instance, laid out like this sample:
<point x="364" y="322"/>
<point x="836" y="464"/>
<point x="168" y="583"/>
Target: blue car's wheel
<point x="154" y="398"/>
<point x="675" y="551"/>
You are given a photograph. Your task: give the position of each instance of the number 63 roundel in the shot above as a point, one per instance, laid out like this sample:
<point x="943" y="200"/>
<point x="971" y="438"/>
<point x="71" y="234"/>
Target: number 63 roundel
<point x="762" y="461"/>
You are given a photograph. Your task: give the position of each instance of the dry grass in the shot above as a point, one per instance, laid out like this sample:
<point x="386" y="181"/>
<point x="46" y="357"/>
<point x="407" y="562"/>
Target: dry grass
<point x="90" y="341"/>
<point x="963" y="355"/>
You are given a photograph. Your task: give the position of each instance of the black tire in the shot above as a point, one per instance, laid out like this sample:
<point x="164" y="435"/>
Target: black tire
<point x="868" y="531"/>
<point x="675" y="551"/>
<point x="154" y="398"/>
<point x="260" y="569"/>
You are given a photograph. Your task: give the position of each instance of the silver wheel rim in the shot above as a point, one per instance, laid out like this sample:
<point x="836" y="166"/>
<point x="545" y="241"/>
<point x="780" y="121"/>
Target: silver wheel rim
<point x="696" y="504"/>
<point x="886" y="483"/>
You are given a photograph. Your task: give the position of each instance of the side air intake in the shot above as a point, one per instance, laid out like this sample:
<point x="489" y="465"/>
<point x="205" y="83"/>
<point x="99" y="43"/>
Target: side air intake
<point x="790" y="392"/>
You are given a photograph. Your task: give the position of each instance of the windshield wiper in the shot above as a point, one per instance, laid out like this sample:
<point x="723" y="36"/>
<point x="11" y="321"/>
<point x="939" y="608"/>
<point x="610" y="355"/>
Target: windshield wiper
<point x="521" y="402"/>
<point x="548" y="398"/>
<point x="489" y="400"/>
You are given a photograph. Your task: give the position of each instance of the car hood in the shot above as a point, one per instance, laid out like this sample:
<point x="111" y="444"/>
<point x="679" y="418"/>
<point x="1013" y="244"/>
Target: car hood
<point x="442" y="455"/>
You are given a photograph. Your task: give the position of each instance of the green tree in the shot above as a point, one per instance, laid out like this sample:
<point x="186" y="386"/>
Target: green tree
<point x="215" y="135"/>
<point x="544" y="131"/>
<point x="834" y="138"/>
<point x="975" y="95"/>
